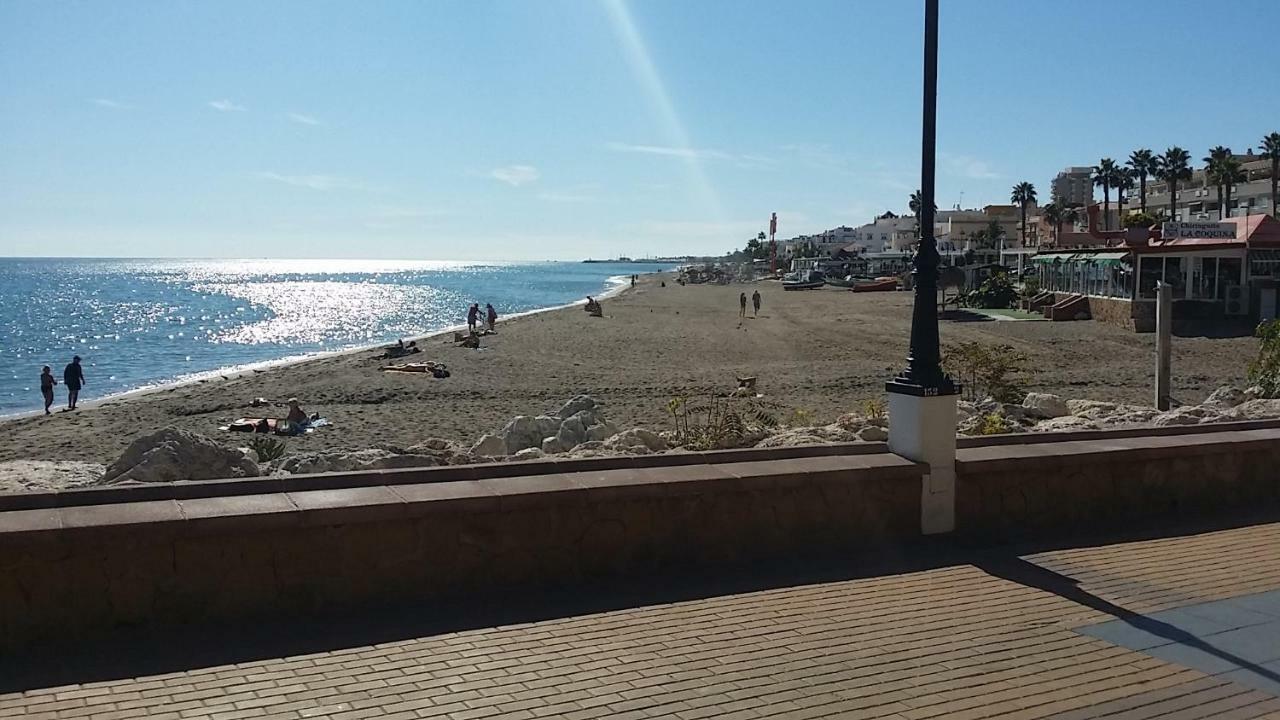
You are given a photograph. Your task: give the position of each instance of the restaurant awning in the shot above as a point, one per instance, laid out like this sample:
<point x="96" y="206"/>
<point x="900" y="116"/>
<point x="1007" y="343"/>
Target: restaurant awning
<point x="1100" y="258"/>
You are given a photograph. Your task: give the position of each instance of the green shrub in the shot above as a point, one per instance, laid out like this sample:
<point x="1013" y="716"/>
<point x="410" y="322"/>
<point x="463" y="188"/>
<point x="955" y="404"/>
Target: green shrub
<point x="996" y="291"/>
<point x="718" y="422"/>
<point x="266" y="447"/>
<point x="995" y="370"/>
<point x="994" y="423"/>
<point x="1264" y="370"/>
<point x="874" y="409"/>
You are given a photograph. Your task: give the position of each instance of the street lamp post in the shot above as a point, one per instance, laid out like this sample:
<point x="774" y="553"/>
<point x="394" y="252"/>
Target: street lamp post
<point x="922" y="399"/>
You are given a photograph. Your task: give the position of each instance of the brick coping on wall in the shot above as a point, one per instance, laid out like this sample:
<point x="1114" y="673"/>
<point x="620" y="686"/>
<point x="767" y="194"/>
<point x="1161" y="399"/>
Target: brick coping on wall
<point x="972" y="452"/>
<point x="373" y="503"/>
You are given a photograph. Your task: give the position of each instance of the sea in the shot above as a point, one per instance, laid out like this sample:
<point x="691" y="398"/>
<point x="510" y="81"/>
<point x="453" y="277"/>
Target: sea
<point x="142" y="323"/>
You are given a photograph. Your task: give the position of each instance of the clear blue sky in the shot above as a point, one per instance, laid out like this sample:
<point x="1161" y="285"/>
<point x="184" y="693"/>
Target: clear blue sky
<point x="566" y="129"/>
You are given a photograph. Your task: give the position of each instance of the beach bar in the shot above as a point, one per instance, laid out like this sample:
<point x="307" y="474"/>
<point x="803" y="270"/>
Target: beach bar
<point x="1213" y="279"/>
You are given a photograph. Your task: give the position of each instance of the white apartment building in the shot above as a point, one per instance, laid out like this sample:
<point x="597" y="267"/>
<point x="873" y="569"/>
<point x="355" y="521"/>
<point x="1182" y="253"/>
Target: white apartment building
<point x="1198" y="198"/>
<point x="1073" y="186"/>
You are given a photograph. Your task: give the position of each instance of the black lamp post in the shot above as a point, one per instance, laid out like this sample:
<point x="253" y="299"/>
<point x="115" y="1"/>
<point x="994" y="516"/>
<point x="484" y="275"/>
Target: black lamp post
<point x="923" y="375"/>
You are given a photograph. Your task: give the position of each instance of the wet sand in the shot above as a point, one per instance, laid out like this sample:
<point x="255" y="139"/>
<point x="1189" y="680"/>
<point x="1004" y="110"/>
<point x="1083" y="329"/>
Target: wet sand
<point x="822" y="351"/>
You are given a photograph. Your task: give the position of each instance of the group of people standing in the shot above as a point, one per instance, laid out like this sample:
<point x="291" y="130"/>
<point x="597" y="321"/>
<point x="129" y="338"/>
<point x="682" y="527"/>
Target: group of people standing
<point x="755" y="304"/>
<point x="72" y="378"/>
<point x="473" y="317"/>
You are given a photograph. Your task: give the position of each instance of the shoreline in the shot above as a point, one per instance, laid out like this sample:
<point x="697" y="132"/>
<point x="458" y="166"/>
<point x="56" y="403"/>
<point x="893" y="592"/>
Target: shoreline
<point x="817" y="355"/>
<point x="614" y="287"/>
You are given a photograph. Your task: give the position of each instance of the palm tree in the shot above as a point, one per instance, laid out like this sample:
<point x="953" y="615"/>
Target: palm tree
<point x="1052" y="214"/>
<point x="1023" y="193"/>
<point x="1070" y="214"/>
<point x="1174" y="167"/>
<point x="1124" y="183"/>
<point x="1105" y="176"/>
<point x="1271" y="151"/>
<point x="1142" y="163"/>
<point x="1230" y="172"/>
<point x="1212" y="171"/>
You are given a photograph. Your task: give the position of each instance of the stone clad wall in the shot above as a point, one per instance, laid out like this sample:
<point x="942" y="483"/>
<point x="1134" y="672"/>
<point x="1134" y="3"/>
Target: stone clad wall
<point x="74" y="570"/>
<point x="1136" y="316"/>
<point x="1010" y="492"/>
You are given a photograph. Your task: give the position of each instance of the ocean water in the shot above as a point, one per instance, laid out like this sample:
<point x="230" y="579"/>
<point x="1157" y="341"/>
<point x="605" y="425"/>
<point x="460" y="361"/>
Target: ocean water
<point x="141" y="323"/>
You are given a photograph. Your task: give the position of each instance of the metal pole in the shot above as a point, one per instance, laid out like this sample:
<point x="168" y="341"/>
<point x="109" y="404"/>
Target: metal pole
<point x="1164" y="342"/>
<point x="923" y="375"/>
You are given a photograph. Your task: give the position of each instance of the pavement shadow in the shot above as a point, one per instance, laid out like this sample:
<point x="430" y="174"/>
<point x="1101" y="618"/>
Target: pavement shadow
<point x="135" y="652"/>
<point x="1016" y="570"/>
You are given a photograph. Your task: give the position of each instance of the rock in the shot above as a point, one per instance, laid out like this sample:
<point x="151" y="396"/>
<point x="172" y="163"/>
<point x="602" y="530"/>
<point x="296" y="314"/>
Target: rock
<point x="871" y="433"/>
<point x="1045" y="405"/>
<point x="171" y="454"/>
<point x="551" y="446"/>
<point x="636" y="437"/>
<point x="571" y="432"/>
<point x="1017" y="414"/>
<point x="965" y="410"/>
<point x="522" y="432"/>
<point x="586" y="417"/>
<point x="38" y="475"/>
<point x="1064" y="423"/>
<point x="1079" y="406"/>
<point x="792" y="438"/>
<point x="601" y="431"/>
<point x="1254" y="392"/>
<point x="1254" y="410"/>
<point x="1130" y="415"/>
<point x="589" y="445"/>
<point x="1225" y="397"/>
<point x="529" y="454"/>
<point x="576" y="405"/>
<point x="490" y="446"/>
<point x="429" y="445"/>
<point x="1186" y="415"/>
<point x="371" y="459"/>
<point x="548" y="425"/>
<point x="852" y="422"/>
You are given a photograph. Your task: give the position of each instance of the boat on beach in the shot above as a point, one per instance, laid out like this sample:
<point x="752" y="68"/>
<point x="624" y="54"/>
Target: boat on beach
<point x="804" y="280"/>
<point x="880" y="284"/>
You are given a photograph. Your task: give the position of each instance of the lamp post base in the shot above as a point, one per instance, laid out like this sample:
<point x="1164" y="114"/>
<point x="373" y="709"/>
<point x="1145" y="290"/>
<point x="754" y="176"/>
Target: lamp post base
<point x="922" y="427"/>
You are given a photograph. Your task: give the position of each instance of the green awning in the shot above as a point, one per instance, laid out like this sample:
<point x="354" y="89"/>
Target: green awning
<point x="1101" y="258"/>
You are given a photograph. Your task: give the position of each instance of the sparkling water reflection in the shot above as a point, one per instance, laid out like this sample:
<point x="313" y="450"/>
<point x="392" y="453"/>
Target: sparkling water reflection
<point x="138" y="323"/>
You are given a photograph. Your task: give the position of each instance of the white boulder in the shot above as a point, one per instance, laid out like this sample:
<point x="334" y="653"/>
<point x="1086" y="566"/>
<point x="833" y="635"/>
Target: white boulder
<point x="551" y="446"/>
<point x="529" y="454"/>
<point x="636" y="438"/>
<point x="571" y="432"/>
<point x="1045" y="405"/>
<point x="1064" y="423"/>
<point x="576" y="405"/>
<point x="1254" y="410"/>
<point x="1225" y="397"/>
<point x="1186" y="415"/>
<point x="490" y="446"/>
<point x="522" y="432"/>
<point x="872" y="433"/>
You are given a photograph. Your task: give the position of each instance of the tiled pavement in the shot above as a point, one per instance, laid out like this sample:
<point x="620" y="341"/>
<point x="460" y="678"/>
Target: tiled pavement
<point x="992" y="637"/>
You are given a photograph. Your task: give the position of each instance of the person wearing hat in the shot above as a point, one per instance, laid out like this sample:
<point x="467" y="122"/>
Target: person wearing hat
<point x="296" y="413"/>
<point x="73" y="378"/>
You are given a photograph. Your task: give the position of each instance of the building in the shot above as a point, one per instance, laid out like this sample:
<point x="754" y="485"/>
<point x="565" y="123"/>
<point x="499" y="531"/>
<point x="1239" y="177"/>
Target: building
<point x="1198" y="198"/>
<point x="956" y="229"/>
<point x="1213" y="280"/>
<point x="887" y="233"/>
<point x="1073" y="186"/>
<point x="824" y="244"/>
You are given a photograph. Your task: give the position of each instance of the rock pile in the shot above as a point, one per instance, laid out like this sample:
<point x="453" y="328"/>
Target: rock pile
<point x="578" y="429"/>
<point x="171" y="454"/>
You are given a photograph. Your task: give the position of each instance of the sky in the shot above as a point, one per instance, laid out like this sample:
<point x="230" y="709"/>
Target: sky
<point x="567" y="129"/>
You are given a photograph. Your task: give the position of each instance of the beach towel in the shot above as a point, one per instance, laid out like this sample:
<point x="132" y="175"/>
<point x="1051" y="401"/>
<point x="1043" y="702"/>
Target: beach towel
<point x="274" y="426"/>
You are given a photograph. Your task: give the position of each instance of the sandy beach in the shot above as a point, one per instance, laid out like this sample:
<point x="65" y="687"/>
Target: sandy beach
<point x="822" y="351"/>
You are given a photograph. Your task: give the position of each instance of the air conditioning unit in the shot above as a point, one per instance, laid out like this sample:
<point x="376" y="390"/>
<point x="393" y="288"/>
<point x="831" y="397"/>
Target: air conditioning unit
<point x="1237" y="300"/>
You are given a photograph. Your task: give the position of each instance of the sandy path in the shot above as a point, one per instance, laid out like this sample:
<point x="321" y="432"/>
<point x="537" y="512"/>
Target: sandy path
<point x="824" y="351"/>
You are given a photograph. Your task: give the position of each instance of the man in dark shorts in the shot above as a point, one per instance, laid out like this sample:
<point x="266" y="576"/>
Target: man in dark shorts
<point x="46" y="387"/>
<point x="755" y="303"/>
<point x="73" y="378"/>
<point x="742" y="305"/>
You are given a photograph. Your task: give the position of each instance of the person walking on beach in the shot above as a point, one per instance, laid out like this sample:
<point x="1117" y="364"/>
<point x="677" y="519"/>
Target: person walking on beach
<point x="755" y="303"/>
<point x="473" y="317"/>
<point x="491" y="315"/>
<point x="73" y="378"/>
<point x="46" y="387"/>
<point x="742" y="305"/>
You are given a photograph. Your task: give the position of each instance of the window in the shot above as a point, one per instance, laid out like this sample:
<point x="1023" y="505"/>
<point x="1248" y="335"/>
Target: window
<point x="1228" y="275"/>
<point x="1204" y="276"/>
